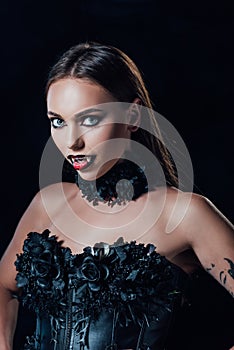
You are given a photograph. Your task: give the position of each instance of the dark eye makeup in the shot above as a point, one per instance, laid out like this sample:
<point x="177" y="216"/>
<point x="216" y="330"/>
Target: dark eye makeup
<point x="57" y="122"/>
<point x="88" y="120"/>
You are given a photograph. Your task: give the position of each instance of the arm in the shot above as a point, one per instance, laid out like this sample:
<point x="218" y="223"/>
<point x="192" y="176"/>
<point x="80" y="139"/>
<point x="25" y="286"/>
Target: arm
<point x="211" y="236"/>
<point x="8" y="318"/>
<point x="34" y="219"/>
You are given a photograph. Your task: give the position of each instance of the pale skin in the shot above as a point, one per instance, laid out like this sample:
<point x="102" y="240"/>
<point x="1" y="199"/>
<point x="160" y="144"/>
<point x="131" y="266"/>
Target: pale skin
<point x="201" y="235"/>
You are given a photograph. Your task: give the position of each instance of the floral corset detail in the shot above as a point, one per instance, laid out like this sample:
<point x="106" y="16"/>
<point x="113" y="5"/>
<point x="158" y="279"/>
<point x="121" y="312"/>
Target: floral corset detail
<point x="108" y="297"/>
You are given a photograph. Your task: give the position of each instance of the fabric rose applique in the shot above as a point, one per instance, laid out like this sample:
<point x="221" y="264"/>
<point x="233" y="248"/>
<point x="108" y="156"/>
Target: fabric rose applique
<point x="104" y="276"/>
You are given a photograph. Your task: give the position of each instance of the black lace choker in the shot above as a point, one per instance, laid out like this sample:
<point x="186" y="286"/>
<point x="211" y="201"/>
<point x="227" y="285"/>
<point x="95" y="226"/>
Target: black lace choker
<point x="124" y="182"/>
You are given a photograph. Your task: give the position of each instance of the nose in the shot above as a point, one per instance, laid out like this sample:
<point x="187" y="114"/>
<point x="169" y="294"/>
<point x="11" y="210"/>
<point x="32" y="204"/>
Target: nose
<point x="77" y="145"/>
<point x="75" y="140"/>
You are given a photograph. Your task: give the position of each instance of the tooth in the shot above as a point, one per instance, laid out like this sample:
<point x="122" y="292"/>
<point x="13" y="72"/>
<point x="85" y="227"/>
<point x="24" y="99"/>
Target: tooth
<point x="81" y="159"/>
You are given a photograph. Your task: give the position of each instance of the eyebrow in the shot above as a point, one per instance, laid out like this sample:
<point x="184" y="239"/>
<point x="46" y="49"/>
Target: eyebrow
<point x="77" y="115"/>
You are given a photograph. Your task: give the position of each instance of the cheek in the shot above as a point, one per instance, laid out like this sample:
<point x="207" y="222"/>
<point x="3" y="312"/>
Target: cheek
<point x="58" y="139"/>
<point x="111" y="131"/>
<point x="119" y="130"/>
<point x="110" y="142"/>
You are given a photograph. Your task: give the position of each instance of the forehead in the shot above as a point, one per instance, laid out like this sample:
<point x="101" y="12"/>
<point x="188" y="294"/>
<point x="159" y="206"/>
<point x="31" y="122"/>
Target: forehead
<point x="69" y="96"/>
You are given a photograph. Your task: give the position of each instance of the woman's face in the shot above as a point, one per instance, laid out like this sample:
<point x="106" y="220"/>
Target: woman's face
<point x="83" y="126"/>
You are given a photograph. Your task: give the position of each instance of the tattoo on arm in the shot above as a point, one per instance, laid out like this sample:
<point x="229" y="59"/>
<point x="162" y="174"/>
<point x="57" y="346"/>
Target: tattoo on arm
<point x="231" y="270"/>
<point x="210" y="268"/>
<point x="222" y="278"/>
<point x="224" y="274"/>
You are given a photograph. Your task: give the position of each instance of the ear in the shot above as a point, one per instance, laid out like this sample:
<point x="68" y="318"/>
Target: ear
<point x="134" y="114"/>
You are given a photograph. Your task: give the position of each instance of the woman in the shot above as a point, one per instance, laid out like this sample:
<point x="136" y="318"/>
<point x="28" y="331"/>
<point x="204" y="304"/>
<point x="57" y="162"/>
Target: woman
<point x="120" y="293"/>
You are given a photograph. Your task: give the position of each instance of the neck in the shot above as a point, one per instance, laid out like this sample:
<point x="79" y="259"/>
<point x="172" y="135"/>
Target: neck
<point x="124" y="182"/>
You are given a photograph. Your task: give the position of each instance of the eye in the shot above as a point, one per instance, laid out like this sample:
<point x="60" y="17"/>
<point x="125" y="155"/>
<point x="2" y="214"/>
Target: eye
<point x="57" y="122"/>
<point x="91" y="120"/>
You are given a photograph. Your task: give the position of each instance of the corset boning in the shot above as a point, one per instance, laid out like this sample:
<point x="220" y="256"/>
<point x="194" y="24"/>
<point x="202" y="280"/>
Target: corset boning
<point x="110" y="330"/>
<point x="123" y="299"/>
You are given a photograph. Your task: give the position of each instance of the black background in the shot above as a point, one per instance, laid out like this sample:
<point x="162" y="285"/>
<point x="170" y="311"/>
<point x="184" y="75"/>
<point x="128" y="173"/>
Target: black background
<point x="185" y="52"/>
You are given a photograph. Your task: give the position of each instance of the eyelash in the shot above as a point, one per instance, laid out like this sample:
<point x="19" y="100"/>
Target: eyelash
<point x="52" y="122"/>
<point x="97" y="118"/>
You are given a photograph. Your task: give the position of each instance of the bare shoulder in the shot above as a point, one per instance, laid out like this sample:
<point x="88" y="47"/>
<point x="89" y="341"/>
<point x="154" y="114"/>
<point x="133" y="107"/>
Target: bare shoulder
<point x="36" y="218"/>
<point x="207" y="231"/>
<point x="192" y="215"/>
<point x="55" y="196"/>
<point x="56" y="190"/>
<point x="48" y="203"/>
<point x="190" y="208"/>
<point x="37" y="215"/>
<point x="178" y="205"/>
<point x="52" y="195"/>
<point x="197" y="209"/>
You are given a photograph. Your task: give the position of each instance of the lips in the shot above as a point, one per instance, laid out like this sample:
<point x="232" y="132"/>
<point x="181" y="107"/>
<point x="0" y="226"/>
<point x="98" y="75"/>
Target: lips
<point x="81" y="162"/>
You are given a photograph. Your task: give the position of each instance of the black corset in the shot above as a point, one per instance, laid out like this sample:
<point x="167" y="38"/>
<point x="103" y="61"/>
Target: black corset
<point x="116" y="297"/>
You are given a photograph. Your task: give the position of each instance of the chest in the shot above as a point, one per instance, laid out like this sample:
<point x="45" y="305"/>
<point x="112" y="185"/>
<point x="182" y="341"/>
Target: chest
<point x="80" y="223"/>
